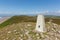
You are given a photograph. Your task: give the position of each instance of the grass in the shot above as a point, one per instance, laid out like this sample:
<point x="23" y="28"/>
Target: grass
<point x="57" y="21"/>
<point x="18" y="26"/>
<point x="19" y="30"/>
<point x="23" y="18"/>
<point x="18" y="19"/>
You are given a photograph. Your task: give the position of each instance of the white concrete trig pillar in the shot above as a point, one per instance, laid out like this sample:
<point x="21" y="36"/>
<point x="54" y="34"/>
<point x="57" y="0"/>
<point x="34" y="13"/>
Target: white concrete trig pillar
<point x="40" y="25"/>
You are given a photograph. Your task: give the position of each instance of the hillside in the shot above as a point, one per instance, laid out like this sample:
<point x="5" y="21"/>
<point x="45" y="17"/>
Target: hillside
<point x="25" y="31"/>
<point x="52" y="16"/>
<point x="18" y="19"/>
<point x="23" y="28"/>
<point x="3" y="19"/>
<point x="24" y="18"/>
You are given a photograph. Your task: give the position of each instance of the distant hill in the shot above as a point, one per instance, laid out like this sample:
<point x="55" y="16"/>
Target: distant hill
<point x="24" y="18"/>
<point x="52" y="16"/>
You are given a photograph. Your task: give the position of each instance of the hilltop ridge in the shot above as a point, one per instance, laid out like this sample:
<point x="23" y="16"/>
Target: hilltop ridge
<point x="25" y="18"/>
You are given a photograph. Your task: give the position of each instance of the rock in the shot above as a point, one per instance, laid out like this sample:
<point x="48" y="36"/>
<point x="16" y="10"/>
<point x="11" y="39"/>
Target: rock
<point x="14" y="39"/>
<point x="7" y="38"/>
<point x="42" y="35"/>
<point x="21" y="35"/>
<point x="46" y="39"/>
<point x="56" y="38"/>
<point x="27" y="32"/>
<point x="37" y="34"/>
<point x="29" y="38"/>
<point x="29" y="25"/>
<point x="4" y="39"/>
<point x="9" y="32"/>
<point x="38" y="37"/>
<point x="15" y="30"/>
<point x="58" y="31"/>
<point x="21" y="39"/>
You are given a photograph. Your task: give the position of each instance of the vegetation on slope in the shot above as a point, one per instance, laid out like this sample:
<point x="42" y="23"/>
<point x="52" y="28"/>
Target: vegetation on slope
<point x="23" y="18"/>
<point x="18" y="19"/>
<point x="57" y="21"/>
<point x="26" y="31"/>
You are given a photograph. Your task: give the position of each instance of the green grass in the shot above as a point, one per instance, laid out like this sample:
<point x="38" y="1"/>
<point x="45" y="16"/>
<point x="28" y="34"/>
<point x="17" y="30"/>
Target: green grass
<point x="18" y="19"/>
<point x="57" y="21"/>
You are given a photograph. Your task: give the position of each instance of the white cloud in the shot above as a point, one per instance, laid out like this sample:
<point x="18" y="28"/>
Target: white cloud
<point x="39" y="12"/>
<point x="5" y="12"/>
<point x="33" y="12"/>
<point x="58" y="11"/>
<point x="48" y="12"/>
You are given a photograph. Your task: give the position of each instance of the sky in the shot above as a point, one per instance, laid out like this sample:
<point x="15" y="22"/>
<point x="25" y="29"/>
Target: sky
<point x="21" y="7"/>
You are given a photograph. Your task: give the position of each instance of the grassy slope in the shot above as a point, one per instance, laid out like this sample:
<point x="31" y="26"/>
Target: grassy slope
<point x="23" y="18"/>
<point x="17" y="19"/>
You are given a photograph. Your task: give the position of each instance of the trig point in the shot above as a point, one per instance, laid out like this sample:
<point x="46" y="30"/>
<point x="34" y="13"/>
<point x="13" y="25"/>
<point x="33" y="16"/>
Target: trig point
<point x="40" y="25"/>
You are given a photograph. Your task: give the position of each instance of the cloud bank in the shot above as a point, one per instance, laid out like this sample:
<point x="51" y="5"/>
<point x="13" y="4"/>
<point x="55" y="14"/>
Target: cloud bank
<point x="33" y="12"/>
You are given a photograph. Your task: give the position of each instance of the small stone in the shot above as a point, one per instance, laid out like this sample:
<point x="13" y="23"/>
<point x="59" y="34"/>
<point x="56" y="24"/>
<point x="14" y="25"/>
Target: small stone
<point x="26" y="32"/>
<point x="29" y="38"/>
<point x="21" y="39"/>
<point x="14" y="39"/>
<point x="21" y="35"/>
<point x="56" y="38"/>
<point x="37" y="34"/>
<point x="15" y="30"/>
<point x="46" y="39"/>
<point x="58" y="31"/>
<point x="38" y="37"/>
<point x="29" y="25"/>
<point x="9" y="32"/>
<point x="42" y="35"/>
<point x="4" y="39"/>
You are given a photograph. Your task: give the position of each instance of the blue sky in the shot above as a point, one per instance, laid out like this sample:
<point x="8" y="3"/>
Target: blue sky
<point x="50" y="7"/>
